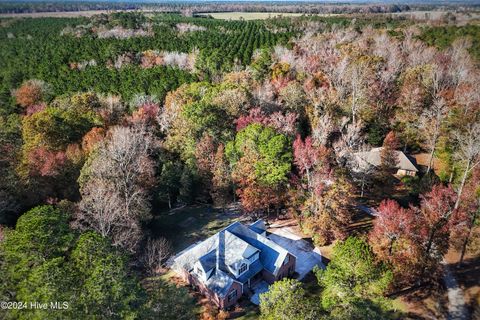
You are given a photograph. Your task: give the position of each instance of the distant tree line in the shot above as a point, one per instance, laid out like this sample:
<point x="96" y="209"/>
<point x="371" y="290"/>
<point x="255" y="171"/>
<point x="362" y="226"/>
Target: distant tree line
<point x="89" y="156"/>
<point x="191" y="8"/>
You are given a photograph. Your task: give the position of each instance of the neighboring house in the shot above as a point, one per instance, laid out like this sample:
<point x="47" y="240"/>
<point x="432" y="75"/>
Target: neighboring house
<point x="226" y="265"/>
<point x="405" y="166"/>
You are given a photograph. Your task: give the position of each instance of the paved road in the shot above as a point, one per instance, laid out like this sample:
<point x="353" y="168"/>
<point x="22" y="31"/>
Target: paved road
<point x="457" y="309"/>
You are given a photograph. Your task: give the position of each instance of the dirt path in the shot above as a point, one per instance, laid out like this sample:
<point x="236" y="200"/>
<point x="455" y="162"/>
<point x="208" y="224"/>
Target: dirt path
<point x="457" y="309"/>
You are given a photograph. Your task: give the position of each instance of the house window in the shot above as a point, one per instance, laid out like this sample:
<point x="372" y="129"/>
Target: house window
<point x="232" y="295"/>
<point x="243" y="268"/>
<point x="199" y="272"/>
<point x="287" y="259"/>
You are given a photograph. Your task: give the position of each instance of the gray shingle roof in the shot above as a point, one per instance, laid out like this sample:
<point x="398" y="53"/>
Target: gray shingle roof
<point x="271" y="254"/>
<point x="258" y="226"/>
<point x="236" y="249"/>
<point x="253" y="269"/>
<point x="238" y="242"/>
<point x="187" y="258"/>
<point x="220" y="282"/>
<point x="209" y="260"/>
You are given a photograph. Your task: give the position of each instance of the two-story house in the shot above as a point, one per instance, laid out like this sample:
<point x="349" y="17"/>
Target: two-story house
<point x="225" y="265"/>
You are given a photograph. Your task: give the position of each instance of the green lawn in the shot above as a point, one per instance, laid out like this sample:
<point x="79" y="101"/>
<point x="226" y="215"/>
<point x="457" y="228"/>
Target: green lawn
<point x="252" y="312"/>
<point x="188" y="225"/>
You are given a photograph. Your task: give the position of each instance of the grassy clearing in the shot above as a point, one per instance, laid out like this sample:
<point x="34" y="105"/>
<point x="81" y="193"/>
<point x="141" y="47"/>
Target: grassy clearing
<point x="185" y="226"/>
<point x="399" y="306"/>
<point x="252" y="312"/>
<point x="249" y="15"/>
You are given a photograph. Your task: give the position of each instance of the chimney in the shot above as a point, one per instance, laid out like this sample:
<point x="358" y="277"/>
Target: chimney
<point x="221" y="251"/>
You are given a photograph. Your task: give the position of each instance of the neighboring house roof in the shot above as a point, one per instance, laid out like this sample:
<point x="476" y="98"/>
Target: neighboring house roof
<point x="373" y="158"/>
<point x="231" y="247"/>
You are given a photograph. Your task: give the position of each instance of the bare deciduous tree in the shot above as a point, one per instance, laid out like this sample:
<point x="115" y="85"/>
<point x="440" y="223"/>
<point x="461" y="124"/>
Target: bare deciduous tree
<point x="430" y="125"/>
<point x="350" y="141"/>
<point x="468" y="94"/>
<point x="468" y="152"/>
<point x="113" y="187"/>
<point x="357" y="84"/>
<point x="323" y="129"/>
<point x="361" y="170"/>
<point x="461" y="67"/>
<point x="155" y="254"/>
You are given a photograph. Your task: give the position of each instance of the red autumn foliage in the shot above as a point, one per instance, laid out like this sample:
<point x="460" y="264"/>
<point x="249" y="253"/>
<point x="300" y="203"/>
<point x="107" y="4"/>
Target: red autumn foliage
<point x="388" y="154"/>
<point x="205" y="154"/>
<point x="35" y="108"/>
<point x="312" y="161"/>
<point x="255" y="115"/>
<point x="29" y="94"/>
<point x="438" y="206"/>
<point x="470" y="207"/>
<point x="256" y="197"/>
<point x="283" y="123"/>
<point x="92" y="138"/>
<point x="441" y="224"/>
<point x="279" y="83"/>
<point x="305" y="154"/>
<point x="46" y="163"/>
<point x="147" y="112"/>
<point x="395" y="238"/>
<point x="414" y="240"/>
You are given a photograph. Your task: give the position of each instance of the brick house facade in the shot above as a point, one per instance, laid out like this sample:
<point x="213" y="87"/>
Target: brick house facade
<point x="224" y="266"/>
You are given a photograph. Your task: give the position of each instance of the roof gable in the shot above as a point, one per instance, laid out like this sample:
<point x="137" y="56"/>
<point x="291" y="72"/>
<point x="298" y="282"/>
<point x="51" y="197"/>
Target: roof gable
<point x="208" y="260"/>
<point x="220" y="282"/>
<point x="236" y="249"/>
<point x="258" y="226"/>
<point x="271" y="254"/>
<point x="373" y="157"/>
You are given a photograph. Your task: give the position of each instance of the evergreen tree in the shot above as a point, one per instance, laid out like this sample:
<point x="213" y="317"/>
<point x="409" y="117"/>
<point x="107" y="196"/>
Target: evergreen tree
<point x="354" y="282"/>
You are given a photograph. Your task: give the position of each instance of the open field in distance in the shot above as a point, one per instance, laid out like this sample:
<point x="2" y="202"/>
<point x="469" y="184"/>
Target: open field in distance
<point x="248" y="15"/>
<point x="215" y="15"/>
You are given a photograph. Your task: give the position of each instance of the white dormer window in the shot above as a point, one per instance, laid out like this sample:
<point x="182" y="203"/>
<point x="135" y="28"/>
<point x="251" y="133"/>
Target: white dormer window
<point x="243" y="268"/>
<point x="199" y="271"/>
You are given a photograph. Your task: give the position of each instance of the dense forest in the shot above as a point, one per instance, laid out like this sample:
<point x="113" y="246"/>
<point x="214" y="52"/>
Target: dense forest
<point x="109" y="122"/>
